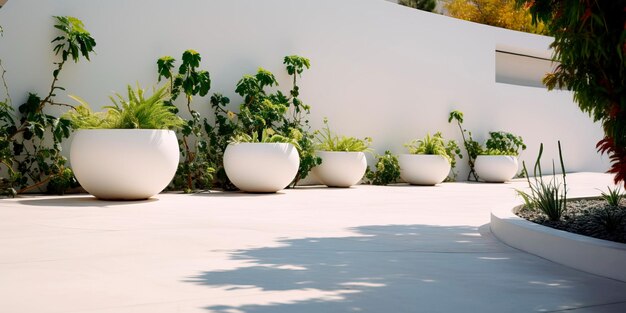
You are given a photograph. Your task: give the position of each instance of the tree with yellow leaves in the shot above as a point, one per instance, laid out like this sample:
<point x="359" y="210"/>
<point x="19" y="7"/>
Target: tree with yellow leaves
<point x="499" y="13"/>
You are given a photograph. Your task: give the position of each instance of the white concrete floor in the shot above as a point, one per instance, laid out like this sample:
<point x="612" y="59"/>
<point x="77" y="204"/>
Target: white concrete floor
<point x="363" y="249"/>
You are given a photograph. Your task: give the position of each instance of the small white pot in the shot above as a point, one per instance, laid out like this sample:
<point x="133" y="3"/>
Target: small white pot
<point x="340" y="169"/>
<point x="261" y="167"/>
<point x="124" y="164"/>
<point x="423" y="169"/>
<point x="496" y="168"/>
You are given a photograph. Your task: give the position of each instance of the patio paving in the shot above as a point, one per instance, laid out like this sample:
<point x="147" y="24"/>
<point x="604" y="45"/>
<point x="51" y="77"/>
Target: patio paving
<point x="313" y="249"/>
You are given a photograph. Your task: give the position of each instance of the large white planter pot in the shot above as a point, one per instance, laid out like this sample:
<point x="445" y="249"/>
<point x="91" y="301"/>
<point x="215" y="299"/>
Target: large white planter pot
<point x="261" y="167"/>
<point x="340" y="169"/>
<point x="423" y="169"/>
<point x="496" y="168"/>
<point x="124" y="164"/>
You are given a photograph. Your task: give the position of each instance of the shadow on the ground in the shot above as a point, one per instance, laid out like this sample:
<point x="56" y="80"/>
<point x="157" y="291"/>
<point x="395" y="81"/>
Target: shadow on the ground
<point x="397" y="268"/>
<point x="79" y="201"/>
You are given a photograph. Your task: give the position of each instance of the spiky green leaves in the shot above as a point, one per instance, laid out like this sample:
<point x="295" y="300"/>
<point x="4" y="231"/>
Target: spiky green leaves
<point x="135" y="112"/>
<point x="436" y="145"/>
<point x="328" y="141"/>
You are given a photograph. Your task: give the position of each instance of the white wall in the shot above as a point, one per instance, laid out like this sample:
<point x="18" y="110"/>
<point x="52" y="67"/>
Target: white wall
<point x="378" y="69"/>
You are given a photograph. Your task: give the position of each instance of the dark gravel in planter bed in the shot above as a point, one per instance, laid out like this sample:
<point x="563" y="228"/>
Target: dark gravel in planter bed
<point x="592" y="218"/>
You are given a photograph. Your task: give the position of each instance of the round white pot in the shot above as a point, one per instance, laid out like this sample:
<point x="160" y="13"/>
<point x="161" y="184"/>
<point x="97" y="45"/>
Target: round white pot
<point x="261" y="167"/>
<point x="340" y="169"/>
<point x="423" y="169"/>
<point x="496" y="168"/>
<point x="124" y="164"/>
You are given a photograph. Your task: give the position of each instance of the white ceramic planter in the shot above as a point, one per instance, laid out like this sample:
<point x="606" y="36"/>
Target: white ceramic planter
<point x="340" y="169"/>
<point x="496" y="168"/>
<point x="261" y="167"/>
<point x="423" y="169"/>
<point x="124" y="164"/>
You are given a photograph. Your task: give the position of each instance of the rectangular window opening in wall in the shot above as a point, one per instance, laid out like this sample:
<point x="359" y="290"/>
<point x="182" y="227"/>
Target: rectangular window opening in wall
<point x="521" y="69"/>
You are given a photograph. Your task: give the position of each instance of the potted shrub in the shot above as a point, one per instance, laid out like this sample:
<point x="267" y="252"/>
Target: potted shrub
<point x="128" y="152"/>
<point x="263" y="164"/>
<point x="495" y="163"/>
<point x="429" y="160"/>
<point x="498" y="162"/>
<point x="343" y="158"/>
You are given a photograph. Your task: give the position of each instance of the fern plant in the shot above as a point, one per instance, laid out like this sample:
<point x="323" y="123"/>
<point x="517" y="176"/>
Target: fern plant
<point x="136" y="112"/>
<point x="436" y="145"/>
<point x="268" y="135"/>
<point x="328" y="141"/>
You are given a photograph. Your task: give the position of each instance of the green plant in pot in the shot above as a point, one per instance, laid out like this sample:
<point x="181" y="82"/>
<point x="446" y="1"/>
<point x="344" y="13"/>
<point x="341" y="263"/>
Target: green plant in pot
<point x="497" y="160"/>
<point x="343" y="158"/>
<point x="129" y="151"/>
<point x="262" y="163"/>
<point x="429" y="160"/>
<point x="263" y="107"/>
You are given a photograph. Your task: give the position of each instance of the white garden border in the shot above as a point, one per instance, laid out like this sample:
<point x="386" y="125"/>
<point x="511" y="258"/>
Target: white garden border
<point x="596" y="256"/>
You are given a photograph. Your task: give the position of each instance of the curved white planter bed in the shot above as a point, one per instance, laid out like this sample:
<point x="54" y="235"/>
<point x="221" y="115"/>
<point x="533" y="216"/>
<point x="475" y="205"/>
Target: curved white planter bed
<point x="423" y="169"/>
<point x="340" y="169"/>
<point x="124" y="164"/>
<point x="596" y="256"/>
<point x="261" y="167"/>
<point x="496" y="168"/>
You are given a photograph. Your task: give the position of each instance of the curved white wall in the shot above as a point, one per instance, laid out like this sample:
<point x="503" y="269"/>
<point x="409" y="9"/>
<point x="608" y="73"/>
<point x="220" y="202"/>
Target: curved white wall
<point x="378" y="69"/>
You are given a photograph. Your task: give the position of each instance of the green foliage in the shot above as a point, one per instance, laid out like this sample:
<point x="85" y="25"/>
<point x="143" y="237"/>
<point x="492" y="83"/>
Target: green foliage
<point x="327" y="141"/>
<point x="503" y="143"/>
<point x="499" y="143"/>
<point x="437" y="145"/>
<point x="138" y="112"/>
<point x="614" y="196"/>
<point x="30" y="139"/>
<point x="267" y="136"/>
<point x="264" y="109"/>
<point x="387" y="170"/>
<point x="197" y="167"/>
<point x="472" y="147"/>
<point x="59" y="184"/>
<point x="424" y="5"/>
<point x="74" y="40"/>
<point x="550" y="197"/>
<point x="590" y="44"/>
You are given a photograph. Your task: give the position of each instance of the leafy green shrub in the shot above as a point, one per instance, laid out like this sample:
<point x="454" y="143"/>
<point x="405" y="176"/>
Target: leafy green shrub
<point x="138" y="112"/>
<point x="59" y="184"/>
<point x="499" y="143"/>
<point x="30" y="141"/>
<point x="437" y="145"/>
<point x="550" y="197"/>
<point x="387" y="170"/>
<point x="589" y="41"/>
<point x="503" y="143"/>
<point x="327" y="141"/>
<point x="260" y="110"/>
<point x="613" y="197"/>
<point x="197" y="166"/>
